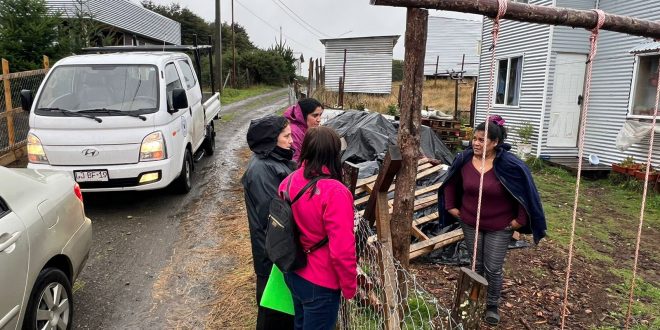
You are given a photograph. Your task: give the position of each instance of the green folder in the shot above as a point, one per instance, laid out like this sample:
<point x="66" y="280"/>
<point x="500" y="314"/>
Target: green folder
<point x="276" y="294"/>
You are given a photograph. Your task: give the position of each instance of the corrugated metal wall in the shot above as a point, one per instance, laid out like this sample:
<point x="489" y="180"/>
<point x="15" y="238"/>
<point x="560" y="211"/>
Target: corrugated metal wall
<point x="531" y="41"/>
<point x="449" y="39"/>
<point x="564" y="40"/>
<point x="127" y="16"/>
<point x="368" y="64"/>
<point x="612" y="76"/>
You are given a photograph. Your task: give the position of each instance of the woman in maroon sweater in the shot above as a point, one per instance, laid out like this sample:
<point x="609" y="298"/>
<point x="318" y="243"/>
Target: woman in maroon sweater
<point x="501" y="213"/>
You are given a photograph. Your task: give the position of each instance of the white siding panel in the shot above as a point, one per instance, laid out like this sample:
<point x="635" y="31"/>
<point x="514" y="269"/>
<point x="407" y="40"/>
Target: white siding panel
<point x="124" y="15"/>
<point x="368" y="64"/>
<point x="448" y="39"/>
<point x="517" y="39"/>
<point x="612" y="77"/>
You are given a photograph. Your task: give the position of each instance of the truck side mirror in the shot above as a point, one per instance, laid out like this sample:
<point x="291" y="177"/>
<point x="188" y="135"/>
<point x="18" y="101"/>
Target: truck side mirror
<point x="179" y="100"/>
<point x="26" y="99"/>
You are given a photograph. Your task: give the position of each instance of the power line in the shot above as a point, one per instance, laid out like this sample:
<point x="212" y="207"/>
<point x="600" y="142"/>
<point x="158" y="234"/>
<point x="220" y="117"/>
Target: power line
<point x="300" y="18"/>
<point x="276" y="29"/>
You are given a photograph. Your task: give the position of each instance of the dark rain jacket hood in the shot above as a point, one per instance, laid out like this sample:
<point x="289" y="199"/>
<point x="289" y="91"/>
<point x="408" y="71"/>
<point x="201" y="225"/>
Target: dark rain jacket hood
<point x="266" y="169"/>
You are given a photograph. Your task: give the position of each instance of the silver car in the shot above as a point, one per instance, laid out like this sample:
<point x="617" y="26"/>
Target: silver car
<point x="44" y="243"/>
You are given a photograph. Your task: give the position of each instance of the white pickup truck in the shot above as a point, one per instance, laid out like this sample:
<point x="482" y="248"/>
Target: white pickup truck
<point x="122" y="121"/>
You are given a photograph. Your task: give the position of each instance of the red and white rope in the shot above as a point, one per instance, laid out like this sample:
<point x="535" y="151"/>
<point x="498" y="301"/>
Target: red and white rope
<point x="502" y="6"/>
<point x="643" y="208"/>
<point x="583" y="126"/>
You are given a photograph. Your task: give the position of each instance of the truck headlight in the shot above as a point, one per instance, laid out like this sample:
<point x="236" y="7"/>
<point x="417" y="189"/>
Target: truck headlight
<point x="153" y="147"/>
<point x="36" y="153"/>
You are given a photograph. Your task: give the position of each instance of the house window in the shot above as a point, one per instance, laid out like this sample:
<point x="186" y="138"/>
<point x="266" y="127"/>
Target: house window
<point x="509" y="76"/>
<point x="645" y="85"/>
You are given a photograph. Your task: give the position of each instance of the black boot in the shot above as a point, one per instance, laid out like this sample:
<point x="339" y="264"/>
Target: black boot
<point x="492" y="315"/>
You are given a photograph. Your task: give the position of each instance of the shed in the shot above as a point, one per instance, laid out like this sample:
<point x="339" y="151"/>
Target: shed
<point x="540" y="78"/>
<point x="368" y="63"/>
<point x="136" y="24"/>
<point x="448" y="40"/>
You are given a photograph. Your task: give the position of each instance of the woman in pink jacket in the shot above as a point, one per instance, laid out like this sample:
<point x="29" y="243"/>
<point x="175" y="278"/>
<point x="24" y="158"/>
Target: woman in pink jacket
<point x="303" y="115"/>
<point x="326" y="211"/>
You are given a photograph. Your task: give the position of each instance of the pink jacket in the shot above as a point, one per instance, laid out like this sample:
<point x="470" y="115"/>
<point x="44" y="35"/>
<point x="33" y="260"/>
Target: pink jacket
<point x="329" y="212"/>
<point x="298" y="128"/>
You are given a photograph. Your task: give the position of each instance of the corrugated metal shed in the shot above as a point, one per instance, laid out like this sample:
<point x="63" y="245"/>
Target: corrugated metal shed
<point x="124" y="15"/>
<point x="448" y="39"/>
<point x="611" y="80"/>
<point x="368" y="64"/>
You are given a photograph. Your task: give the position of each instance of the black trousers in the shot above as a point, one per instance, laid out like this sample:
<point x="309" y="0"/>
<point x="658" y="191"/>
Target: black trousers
<point x="268" y="318"/>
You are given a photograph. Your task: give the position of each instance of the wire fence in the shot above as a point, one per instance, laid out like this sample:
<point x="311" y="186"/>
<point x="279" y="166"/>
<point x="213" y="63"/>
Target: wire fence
<point x="14" y="124"/>
<point x="415" y="307"/>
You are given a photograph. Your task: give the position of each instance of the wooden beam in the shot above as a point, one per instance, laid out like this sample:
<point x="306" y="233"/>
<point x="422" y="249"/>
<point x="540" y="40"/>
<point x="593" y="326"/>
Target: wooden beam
<point x="409" y="134"/>
<point x="391" y="166"/>
<point x="435" y="242"/>
<point x="537" y="14"/>
<point x="8" y="105"/>
<point x="387" y="269"/>
<point x="350" y="176"/>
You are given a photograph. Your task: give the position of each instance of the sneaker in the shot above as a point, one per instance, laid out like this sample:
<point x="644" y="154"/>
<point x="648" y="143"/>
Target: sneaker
<point x="492" y="316"/>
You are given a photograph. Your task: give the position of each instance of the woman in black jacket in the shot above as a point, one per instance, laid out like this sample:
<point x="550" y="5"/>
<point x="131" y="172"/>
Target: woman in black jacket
<point x="270" y="140"/>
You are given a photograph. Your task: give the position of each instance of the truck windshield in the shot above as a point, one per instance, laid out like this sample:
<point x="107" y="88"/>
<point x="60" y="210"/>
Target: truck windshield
<point x="121" y="88"/>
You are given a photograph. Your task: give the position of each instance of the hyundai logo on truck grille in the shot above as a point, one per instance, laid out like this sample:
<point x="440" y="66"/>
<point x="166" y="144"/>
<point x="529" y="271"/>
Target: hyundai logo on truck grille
<point x="90" y="152"/>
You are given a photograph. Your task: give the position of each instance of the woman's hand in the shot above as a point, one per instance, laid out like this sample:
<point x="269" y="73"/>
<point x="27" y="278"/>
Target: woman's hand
<point x="515" y="225"/>
<point x="456" y="213"/>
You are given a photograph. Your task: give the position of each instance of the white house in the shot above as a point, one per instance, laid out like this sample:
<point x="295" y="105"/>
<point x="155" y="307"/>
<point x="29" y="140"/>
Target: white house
<point x="540" y="77"/>
<point x="368" y="64"/>
<point x="447" y="41"/>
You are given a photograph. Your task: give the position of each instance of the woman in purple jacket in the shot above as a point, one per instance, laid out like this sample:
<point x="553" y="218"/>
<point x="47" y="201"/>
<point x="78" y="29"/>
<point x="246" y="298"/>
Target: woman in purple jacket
<point x="509" y="202"/>
<point x="303" y="115"/>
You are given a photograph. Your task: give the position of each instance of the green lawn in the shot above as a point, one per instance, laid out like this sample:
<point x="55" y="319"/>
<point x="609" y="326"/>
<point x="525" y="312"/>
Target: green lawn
<point x="606" y="233"/>
<point x="230" y="95"/>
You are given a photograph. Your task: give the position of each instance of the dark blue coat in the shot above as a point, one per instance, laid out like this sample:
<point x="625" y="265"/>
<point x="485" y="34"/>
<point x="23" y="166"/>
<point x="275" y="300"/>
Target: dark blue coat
<point x="515" y="176"/>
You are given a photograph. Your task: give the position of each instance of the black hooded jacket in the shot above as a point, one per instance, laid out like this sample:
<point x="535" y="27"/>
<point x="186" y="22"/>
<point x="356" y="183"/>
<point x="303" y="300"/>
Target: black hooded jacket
<point x="268" y="166"/>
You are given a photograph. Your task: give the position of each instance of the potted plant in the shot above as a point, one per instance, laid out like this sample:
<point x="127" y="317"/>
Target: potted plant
<point x="640" y="174"/>
<point x="524" y="131"/>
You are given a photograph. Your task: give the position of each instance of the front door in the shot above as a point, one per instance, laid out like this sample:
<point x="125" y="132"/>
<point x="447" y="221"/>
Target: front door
<point x="13" y="266"/>
<point x="567" y="100"/>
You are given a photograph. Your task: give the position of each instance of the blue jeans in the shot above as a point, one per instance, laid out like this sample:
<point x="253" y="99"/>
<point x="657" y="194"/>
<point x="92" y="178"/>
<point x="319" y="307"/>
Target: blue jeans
<point x="315" y="307"/>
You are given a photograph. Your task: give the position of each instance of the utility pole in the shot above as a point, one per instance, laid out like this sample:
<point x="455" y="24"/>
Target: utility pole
<point x="233" y="45"/>
<point x="280" y="36"/>
<point x="218" y="44"/>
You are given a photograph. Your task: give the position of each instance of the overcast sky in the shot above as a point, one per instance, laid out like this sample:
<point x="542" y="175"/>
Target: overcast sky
<point x="328" y="19"/>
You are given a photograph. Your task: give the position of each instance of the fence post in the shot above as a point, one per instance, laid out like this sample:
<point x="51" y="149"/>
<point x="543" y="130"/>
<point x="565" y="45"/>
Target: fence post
<point x="310" y="76"/>
<point x="8" y="106"/>
<point x="340" y="103"/>
<point x="46" y="62"/>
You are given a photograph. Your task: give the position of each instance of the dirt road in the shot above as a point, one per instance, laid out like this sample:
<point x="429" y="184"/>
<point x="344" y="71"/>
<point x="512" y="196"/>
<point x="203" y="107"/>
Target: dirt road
<point x="156" y="255"/>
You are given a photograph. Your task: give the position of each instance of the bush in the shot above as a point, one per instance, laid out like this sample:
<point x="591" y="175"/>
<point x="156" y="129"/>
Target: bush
<point x="393" y="110"/>
<point x="397" y="70"/>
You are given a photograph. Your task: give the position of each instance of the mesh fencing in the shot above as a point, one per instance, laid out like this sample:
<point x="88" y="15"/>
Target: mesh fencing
<point x="19" y="126"/>
<point x="418" y="310"/>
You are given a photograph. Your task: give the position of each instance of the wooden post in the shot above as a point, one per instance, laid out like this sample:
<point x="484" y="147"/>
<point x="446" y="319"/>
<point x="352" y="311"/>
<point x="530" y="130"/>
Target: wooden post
<point x="9" y="109"/>
<point x="473" y="104"/>
<point x="470" y="299"/>
<point x="379" y="209"/>
<point x="456" y="89"/>
<point x="318" y="74"/>
<point x="46" y="61"/>
<point x="409" y="135"/>
<point x="310" y="76"/>
<point x="350" y="176"/>
<point x="435" y="76"/>
<point x="516" y="11"/>
<point x="343" y="71"/>
<point x="340" y="102"/>
<point x="321" y="78"/>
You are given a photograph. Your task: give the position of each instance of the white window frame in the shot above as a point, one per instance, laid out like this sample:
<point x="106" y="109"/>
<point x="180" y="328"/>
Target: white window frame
<point x="633" y="85"/>
<point x="506" y="89"/>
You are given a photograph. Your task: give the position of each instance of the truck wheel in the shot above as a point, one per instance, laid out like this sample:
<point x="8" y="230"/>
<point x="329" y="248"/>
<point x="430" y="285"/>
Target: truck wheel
<point x="51" y="304"/>
<point x="183" y="183"/>
<point x="209" y="140"/>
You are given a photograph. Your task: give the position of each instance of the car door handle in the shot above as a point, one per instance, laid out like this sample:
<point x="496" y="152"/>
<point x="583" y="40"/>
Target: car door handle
<point x="9" y="242"/>
<point x="190" y="110"/>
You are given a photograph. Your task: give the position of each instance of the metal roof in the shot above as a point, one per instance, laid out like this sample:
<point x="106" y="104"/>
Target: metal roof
<point x="394" y="38"/>
<point x="125" y="15"/>
<point x="651" y="47"/>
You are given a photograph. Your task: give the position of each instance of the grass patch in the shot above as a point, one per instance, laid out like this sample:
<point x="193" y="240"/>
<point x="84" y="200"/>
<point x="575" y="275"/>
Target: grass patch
<point x="230" y="95"/>
<point x="646" y="304"/>
<point x="227" y="117"/>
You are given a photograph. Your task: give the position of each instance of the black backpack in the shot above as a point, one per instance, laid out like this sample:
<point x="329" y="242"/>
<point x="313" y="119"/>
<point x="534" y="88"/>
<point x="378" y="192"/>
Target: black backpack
<point x="282" y="238"/>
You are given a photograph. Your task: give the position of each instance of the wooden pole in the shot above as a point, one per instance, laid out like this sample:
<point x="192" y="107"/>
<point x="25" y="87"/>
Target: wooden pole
<point x="233" y="46"/>
<point x="318" y="74"/>
<point x="340" y="101"/>
<point x="456" y="89"/>
<point x="217" y="35"/>
<point x="343" y="71"/>
<point x="321" y="78"/>
<point x="470" y="299"/>
<point x="537" y="14"/>
<point x="435" y="76"/>
<point x="310" y="76"/>
<point x="46" y="61"/>
<point x="9" y="109"/>
<point x="408" y="139"/>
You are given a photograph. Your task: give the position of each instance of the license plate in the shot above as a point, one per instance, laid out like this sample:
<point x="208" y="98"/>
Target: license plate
<point x="91" y="176"/>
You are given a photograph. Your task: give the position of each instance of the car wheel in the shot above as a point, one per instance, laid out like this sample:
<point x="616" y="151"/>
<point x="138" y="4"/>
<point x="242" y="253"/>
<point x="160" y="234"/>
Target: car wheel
<point x="183" y="183"/>
<point x="51" y="302"/>
<point x="209" y="140"/>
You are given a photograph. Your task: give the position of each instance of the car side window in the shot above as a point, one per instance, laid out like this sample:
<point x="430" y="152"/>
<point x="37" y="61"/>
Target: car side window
<point x="172" y="79"/>
<point x="4" y="209"/>
<point x="188" y="75"/>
